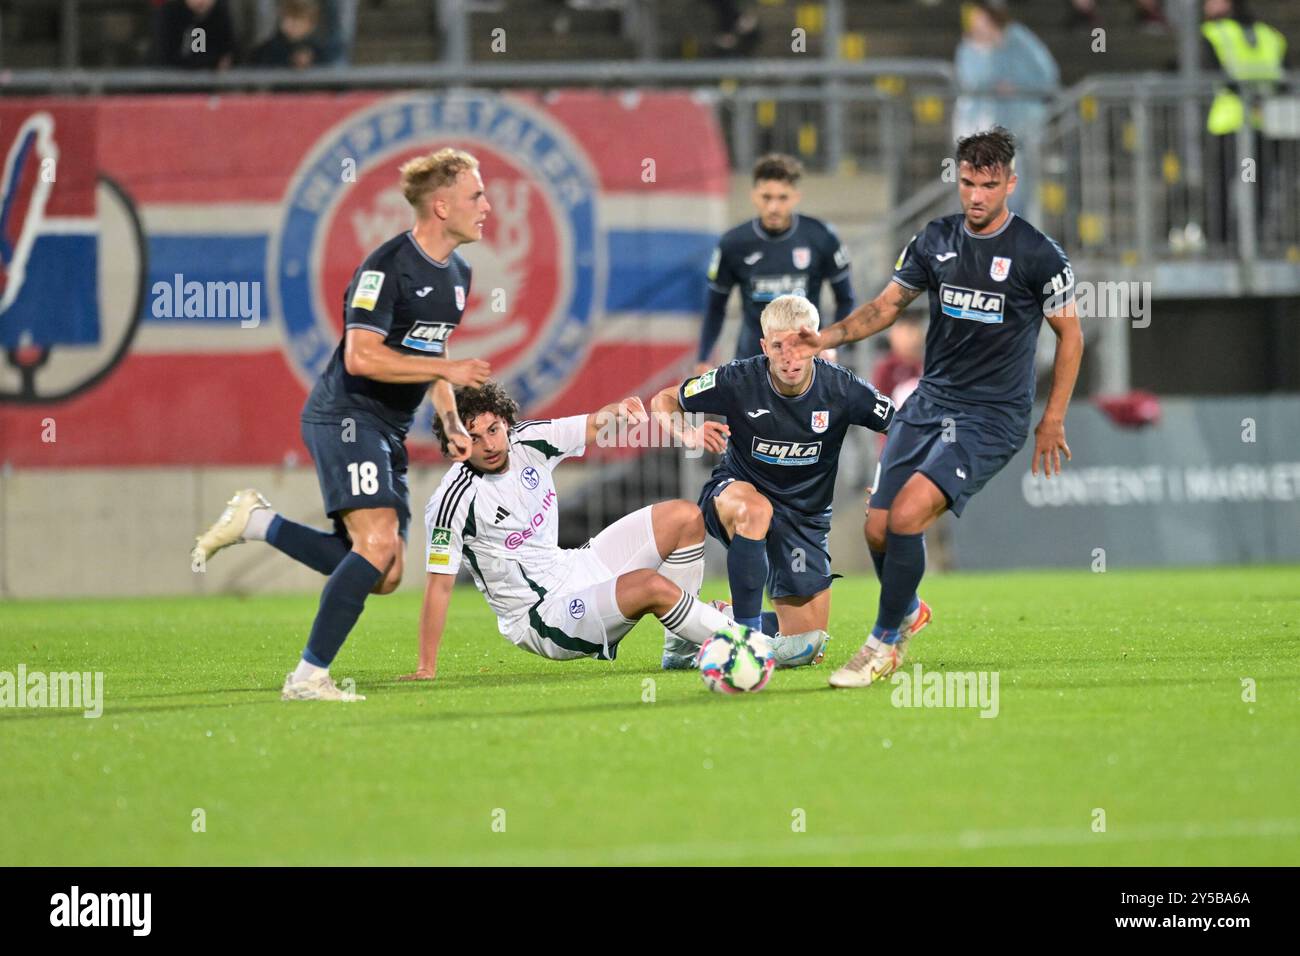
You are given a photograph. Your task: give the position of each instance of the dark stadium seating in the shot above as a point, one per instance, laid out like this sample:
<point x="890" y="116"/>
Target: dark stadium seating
<point x="115" y="33"/>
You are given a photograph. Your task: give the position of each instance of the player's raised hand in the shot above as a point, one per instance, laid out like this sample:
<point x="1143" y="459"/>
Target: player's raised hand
<point x="805" y="343"/>
<point x="470" y="372"/>
<point x="711" y="436"/>
<point x="1049" y="442"/>
<point x="632" y="410"/>
<point x="459" y="444"/>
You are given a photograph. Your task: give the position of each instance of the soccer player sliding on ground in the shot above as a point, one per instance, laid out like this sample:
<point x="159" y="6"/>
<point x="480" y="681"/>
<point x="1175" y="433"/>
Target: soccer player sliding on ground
<point x="498" y="512"/>
<point x="400" y="309"/>
<point x="992" y="279"/>
<point x="769" y="500"/>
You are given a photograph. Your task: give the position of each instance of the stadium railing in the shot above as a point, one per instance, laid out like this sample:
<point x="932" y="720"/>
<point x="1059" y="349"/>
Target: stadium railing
<point x="1136" y="190"/>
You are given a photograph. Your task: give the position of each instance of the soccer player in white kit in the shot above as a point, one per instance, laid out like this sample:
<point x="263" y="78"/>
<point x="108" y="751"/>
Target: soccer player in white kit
<point x="498" y="513"/>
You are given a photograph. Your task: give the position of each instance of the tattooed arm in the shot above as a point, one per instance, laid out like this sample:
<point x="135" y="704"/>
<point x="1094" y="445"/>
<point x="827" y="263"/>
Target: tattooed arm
<point x="867" y="319"/>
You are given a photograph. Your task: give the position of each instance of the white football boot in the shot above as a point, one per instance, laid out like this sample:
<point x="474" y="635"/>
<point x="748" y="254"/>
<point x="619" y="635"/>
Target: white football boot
<point x="320" y="687"/>
<point x="229" y="528"/>
<point x="799" y="650"/>
<point x="790" y="650"/>
<point x="870" y="664"/>
<point x="913" y="624"/>
<point x="724" y="606"/>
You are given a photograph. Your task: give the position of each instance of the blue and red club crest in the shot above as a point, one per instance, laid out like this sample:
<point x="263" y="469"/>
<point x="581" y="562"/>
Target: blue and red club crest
<point x="821" y="421"/>
<point x="71" y="257"/>
<point x="539" y="271"/>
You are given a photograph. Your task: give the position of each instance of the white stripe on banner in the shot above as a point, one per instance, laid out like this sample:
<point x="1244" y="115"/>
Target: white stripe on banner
<point x="161" y="336"/>
<point x="688" y="212"/>
<point x="69" y="225"/>
<point x="172" y="338"/>
<point x="226" y="218"/>
<point x="669" y="328"/>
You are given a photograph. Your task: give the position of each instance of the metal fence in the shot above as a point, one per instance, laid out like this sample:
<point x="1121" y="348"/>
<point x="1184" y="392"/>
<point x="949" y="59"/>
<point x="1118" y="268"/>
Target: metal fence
<point x="1130" y="177"/>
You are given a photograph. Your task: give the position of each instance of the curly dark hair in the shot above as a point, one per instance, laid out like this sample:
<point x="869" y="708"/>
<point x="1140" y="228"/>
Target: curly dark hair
<point x="778" y="166"/>
<point x="472" y="402"/>
<point x="988" y="149"/>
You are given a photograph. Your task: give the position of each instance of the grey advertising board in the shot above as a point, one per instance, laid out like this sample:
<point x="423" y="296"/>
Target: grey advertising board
<point x="1217" y="481"/>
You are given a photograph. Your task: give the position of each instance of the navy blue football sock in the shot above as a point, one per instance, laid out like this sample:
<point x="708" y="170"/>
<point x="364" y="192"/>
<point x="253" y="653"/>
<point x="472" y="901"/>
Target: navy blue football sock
<point x="904" y="568"/>
<point x="747" y="573"/>
<point x="340" y="606"/>
<point x="770" y="625"/>
<point x="878" y="559"/>
<point x="319" y="550"/>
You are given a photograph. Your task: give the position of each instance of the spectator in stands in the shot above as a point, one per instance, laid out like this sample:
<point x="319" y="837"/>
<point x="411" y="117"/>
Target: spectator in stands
<point x="194" y="34"/>
<point x="737" y="29"/>
<point x="1005" y="77"/>
<point x="1253" y="56"/>
<point x="296" y="42"/>
<point x="339" y="26"/>
<point x="898" y="372"/>
<point x="1150" y="15"/>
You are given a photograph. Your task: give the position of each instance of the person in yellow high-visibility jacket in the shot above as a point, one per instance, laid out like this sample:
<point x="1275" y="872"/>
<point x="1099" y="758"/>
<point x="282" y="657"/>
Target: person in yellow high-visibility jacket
<point x="1253" y="56"/>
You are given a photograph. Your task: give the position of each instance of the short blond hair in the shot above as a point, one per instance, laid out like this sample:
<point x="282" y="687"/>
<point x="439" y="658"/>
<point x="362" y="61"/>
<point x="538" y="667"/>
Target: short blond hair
<point x="425" y="174"/>
<point x="789" y="313"/>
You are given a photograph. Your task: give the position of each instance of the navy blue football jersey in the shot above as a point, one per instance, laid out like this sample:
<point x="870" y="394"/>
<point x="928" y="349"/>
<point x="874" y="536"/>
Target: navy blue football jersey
<point x="795" y="262"/>
<point x="988" y="297"/>
<point x="788" y="447"/>
<point x="414" y="302"/>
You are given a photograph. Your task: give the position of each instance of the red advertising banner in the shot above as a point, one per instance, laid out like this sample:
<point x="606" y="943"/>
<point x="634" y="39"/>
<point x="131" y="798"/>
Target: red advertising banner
<point x="172" y="268"/>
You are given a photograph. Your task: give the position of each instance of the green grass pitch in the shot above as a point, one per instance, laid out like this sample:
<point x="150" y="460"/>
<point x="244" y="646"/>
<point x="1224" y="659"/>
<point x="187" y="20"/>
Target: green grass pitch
<point x="1120" y="692"/>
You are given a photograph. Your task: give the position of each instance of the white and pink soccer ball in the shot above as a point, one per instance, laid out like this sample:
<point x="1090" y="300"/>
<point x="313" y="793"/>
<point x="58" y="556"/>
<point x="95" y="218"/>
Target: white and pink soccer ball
<point x="737" y="660"/>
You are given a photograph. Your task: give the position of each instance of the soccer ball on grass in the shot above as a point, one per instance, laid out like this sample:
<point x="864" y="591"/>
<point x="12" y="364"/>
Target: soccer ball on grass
<point x="737" y="660"/>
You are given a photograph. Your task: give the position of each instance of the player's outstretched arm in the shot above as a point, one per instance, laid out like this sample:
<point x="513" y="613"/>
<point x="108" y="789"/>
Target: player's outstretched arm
<point x="365" y="354"/>
<point x="671" y="418"/>
<point x="628" y="410"/>
<point x="459" y="444"/>
<point x="433" y="618"/>
<point x="1049" y="436"/>
<point x="866" y="320"/>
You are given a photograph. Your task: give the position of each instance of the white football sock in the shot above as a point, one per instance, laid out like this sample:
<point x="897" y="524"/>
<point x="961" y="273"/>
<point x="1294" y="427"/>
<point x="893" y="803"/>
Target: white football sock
<point x="305" y="671"/>
<point x="685" y="568"/>
<point x="694" y="620"/>
<point x="258" y="521"/>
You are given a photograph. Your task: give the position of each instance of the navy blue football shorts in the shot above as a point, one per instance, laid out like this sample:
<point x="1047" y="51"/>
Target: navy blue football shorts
<point x="367" y="472"/>
<point x="798" y="555"/>
<point x="957" y="450"/>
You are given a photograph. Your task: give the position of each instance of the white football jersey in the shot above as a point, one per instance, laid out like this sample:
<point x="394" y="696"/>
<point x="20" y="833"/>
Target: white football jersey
<point x="506" y="526"/>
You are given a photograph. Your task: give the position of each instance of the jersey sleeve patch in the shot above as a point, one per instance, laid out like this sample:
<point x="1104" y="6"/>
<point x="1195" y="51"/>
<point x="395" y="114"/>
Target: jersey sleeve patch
<point x="902" y="254"/>
<point x="841" y="257"/>
<point x="701" y="384"/>
<point x="366" y="295"/>
<point x="439" y="552"/>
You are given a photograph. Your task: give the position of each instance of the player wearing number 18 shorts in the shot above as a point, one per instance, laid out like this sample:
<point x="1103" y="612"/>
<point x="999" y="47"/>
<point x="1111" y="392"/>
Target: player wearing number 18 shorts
<point x="399" y="311"/>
